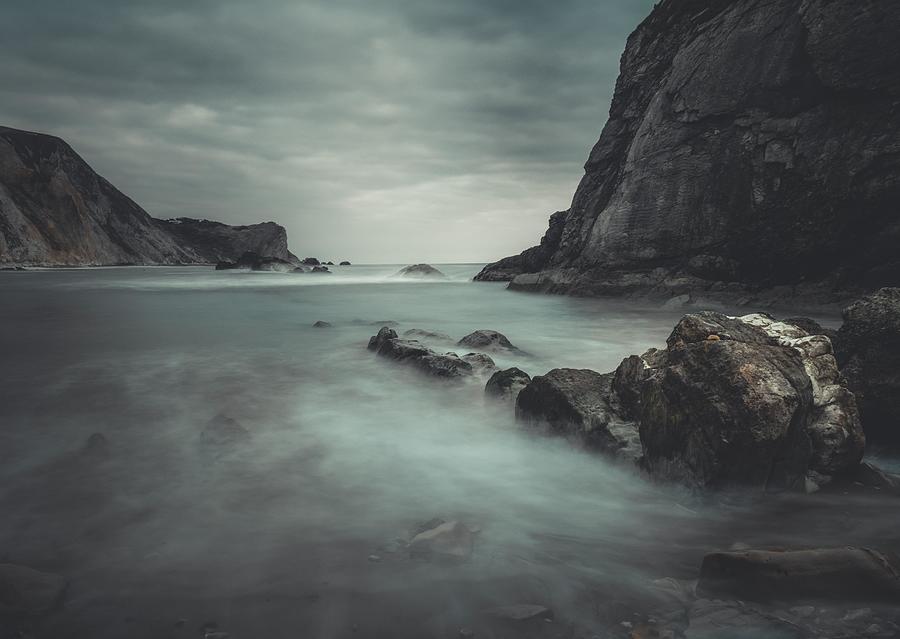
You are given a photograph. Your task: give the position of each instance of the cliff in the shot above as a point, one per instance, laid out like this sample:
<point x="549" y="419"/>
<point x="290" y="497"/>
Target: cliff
<point x="55" y="210"/>
<point x="750" y="146"/>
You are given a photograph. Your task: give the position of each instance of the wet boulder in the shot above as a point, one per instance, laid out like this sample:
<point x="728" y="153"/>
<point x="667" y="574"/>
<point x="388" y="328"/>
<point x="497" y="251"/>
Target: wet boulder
<point x="580" y="405"/>
<point x="25" y="591"/>
<point x="507" y="384"/>
<point x="420" y="271"/>
<point x="418" y="333"/>
<point x="747" y="401"/>
<point x="787" y="575"/>
<point x="486" y="340"/>
<point x="388" y="344"/>
<point x="480" y="363"/>
<point x="868" y="350"/>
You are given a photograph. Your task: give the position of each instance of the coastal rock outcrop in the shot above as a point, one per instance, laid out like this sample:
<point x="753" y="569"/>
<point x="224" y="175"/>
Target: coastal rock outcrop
<point x="868" y="345"/>
<point x="449" y="365"/>
<point x="55" y="210"/>
<point x="425" y="271"/>
<point x="748" y="147"/>
<point x="507" y="384"/>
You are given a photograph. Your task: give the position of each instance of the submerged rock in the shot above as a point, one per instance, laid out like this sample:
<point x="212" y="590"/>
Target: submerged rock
<point x="825" y="573"/>
<point x="447" y="541"/>
<point x="388" y="344"/>
<point x="486" y="340"/>
<point x="869" y="356"/>
<point x="420" y="270"/>
<point x="24" y="591"/>
<point x="507" y="384"/>
<point x="579" y="404"/>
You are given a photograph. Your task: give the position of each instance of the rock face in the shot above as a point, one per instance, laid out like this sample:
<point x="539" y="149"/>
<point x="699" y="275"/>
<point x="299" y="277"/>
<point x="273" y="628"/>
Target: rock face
<point x="55" y="210"/>
<point x="830" y="573"/>
<point x="579" y="404"/>
<point x="747" y="401"/>
<point x="747" y="145"/>
<point x="24" y="591"/>
<point x="869" y="355"/>
<point x="420" y="270"/>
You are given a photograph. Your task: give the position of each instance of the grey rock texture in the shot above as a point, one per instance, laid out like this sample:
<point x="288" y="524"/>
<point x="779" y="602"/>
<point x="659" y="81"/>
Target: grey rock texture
<point x="750" y="146"/>
<point x="868" y="349"/>
<point x="507" y="384"/>
<point x="407" y="351"/>
<point x="55" y="210"/>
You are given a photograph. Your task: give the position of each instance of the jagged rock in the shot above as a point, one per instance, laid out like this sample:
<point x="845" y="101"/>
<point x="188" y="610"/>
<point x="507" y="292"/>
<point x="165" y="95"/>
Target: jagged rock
<point x="420" y="270"/>
<point x="868" y="347"/>
<point x="320" y="269"/>
<point x="579" y="404"/>
<point x="345" y="263"/>
<point x="488" y="341"/>
<point x="423" y="334"/>
<point x="827" y="573"/>
<point x="747" y="401"/>
<point x="223" y="431"/>
<point x="321" y="324"/>
<point x="24" y="591"/>
<point x="256" y="262"/>
<point x="507" y="384"/>
<point x="310" y="261"/>
<point x="55" y="210"/>
<point x="388" y="344"/>
<point x="715" y="170"/>
<point x="447" y="541"/>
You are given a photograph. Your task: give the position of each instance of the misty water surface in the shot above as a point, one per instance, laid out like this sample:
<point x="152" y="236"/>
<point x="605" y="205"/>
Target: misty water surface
<point x="275" y="537"/>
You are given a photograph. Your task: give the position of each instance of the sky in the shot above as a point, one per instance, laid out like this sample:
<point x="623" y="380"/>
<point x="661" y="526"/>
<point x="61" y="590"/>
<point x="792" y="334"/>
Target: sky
<point x="378" y="131"/>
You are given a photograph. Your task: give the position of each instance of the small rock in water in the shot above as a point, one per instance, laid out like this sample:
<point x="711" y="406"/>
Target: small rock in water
<point x="485" y="340"/>
<point x="420" y="270"/>
<point x="321" y="324"/>
<point x="506" y="384"/>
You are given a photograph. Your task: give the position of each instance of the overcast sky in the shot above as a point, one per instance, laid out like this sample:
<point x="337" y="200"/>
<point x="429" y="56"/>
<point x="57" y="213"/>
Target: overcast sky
<point x="374" y="130"/>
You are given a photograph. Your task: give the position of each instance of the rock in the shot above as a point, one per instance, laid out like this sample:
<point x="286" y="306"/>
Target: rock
<point x="711" y="619"/>
<point x="310" y="261"/>
<point x="56" y="211"/>
<point x="256" y="262"/>
<point x="506" y="384"/>
<point x="830" y="573"/>
<point x="448" y="541"/>
<point x="579" y="404"/>
<point x="746" y="401"/>
<point x="320" y="269"/>
<point x="321" y="324"/>
<point x="345" y="263"/>
<point x="491" y="341"/>
<point x="520" y="612"/>
<point x="24" y="591"/>
<point x="12" y="268"/>
<point x="812" y="327"/>
<point x="869" y="356"/>
<point x="420" y="271"/>
<point x="387" y="344"/>
<point x="418" y="333"/>
<point x="329" y="263"/>
<point x="715" y="169"/>
<point x="480" y="362"/>
<point x="223" y="431"/>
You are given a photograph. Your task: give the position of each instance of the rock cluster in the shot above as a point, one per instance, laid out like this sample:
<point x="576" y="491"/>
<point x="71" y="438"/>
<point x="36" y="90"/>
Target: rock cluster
<point x="408" y="351"/>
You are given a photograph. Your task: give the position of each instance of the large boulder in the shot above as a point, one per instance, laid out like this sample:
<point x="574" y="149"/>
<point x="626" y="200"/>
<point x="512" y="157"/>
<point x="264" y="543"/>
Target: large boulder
<point x="256" y="262"/>
<point x="507" y="384"/>
<point x="747" y="401"/>
<point x="486" y="340"/>
<point x="868" y="346"/>
<point x="25" y="591"/>
<point x="580" y="405"/>
<point x="824" y="573"/>
<point x="420" y="271"/>
<point x="449" y="365"/>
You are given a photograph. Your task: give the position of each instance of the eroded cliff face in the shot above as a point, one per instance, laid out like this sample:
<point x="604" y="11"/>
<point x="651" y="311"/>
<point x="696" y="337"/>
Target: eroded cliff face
<point x="55" y="210"/>
<point x="750" y="145"/>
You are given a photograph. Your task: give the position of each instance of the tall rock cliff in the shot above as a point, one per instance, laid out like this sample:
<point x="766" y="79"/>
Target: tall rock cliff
<point x="751" y="145"/>
<point x="55" y="210"/>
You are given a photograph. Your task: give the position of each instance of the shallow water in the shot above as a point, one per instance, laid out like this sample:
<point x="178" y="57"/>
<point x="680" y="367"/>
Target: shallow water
<point x="274" y="537"/>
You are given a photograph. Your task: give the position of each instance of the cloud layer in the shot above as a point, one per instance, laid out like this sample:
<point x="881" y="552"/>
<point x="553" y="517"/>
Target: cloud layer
<point x="374" y="130"/>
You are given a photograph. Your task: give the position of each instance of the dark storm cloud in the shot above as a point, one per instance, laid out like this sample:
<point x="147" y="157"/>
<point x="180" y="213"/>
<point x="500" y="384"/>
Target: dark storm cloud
<point x="388" y="130"/>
